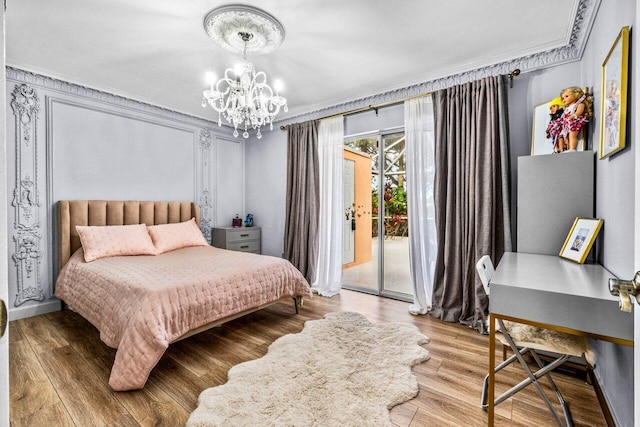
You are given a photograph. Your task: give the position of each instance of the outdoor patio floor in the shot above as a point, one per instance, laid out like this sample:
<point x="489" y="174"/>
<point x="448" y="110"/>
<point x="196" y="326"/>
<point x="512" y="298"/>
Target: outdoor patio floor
<point x="396" y="268"/>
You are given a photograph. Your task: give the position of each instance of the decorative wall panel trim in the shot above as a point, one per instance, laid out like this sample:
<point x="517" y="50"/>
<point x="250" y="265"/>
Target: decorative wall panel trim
<point x="51" y="101"/>
<point x="96" y="95"/>
<point x="27" y="236"/>
<point x="570" y="52"/>
<point x="206" y="196"/>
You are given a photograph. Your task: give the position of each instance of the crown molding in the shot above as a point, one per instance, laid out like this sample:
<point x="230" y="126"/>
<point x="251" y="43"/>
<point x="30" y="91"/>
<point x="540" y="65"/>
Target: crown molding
<point x="570" y="52"/>
<point x="67" y="88"/>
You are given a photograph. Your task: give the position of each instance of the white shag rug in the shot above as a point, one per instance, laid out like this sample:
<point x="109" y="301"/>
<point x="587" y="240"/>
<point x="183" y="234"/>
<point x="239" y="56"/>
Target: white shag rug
<point x="338" y="371"/>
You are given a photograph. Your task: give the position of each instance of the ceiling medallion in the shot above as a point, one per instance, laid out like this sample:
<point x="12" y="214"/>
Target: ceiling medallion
<point x="224" y="23"/>
<point x="243" y="96"/>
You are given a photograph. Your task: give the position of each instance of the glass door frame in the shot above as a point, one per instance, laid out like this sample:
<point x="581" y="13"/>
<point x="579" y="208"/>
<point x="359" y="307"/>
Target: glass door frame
<point x="380" y="135"/>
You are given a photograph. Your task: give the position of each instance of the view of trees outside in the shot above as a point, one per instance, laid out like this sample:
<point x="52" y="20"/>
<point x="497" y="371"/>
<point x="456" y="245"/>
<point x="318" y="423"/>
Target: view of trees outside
<point x="388" y="189"/>
<point x="394" y="190"/>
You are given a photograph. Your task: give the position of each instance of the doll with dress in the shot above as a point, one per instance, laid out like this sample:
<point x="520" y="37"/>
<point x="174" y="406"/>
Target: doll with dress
<point x="556" y="108"/>
<point x="577" y="112"/>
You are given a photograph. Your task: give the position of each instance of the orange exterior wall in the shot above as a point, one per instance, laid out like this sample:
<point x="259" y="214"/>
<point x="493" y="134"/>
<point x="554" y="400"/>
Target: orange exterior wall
<point x="362" y="178"/>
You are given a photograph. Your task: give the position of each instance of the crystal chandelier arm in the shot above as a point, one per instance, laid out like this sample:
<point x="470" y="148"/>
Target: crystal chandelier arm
<point x="226" y="80"/>
<point x="222" y="88"/>
<point x="273" y="110"/>
<point x="260" y="79"/>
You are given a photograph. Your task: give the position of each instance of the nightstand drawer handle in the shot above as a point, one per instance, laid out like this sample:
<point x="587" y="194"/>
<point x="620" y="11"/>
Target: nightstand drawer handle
<point x="244" y="235"/>
<point x="244" y="247"/>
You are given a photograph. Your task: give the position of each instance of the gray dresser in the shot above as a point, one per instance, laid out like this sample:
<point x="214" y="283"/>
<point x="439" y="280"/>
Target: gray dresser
<point x="243" y="239"/>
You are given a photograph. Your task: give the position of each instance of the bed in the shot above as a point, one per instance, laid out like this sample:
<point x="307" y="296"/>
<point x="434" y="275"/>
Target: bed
<point x="140" y="304"/>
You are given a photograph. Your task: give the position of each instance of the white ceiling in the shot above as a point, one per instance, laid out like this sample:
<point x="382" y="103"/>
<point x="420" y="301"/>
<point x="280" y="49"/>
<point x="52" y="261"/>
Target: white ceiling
<point x="335" y="51"/>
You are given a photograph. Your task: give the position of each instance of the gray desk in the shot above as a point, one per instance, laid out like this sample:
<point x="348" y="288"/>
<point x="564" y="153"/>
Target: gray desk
<point x="554" y="293"/>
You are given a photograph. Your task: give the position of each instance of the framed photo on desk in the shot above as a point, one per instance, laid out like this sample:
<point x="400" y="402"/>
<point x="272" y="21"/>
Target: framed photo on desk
<point x="580" y="239"/>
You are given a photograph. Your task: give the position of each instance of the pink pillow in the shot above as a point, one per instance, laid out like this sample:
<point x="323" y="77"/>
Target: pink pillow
<point x="114" y="240"/>
<point x="168" y="237"/>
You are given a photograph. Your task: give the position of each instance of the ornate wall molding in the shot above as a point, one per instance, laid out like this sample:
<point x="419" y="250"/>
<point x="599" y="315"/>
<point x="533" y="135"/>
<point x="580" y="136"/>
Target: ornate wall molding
<point x="27" y="238"/>
<point x="96" y="95"/>
<point x="205" y="200"/>
<point x="572" y="51"/>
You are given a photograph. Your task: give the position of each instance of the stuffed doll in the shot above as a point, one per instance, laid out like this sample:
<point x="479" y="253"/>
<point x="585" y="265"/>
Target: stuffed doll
<point x="556" y="109"/>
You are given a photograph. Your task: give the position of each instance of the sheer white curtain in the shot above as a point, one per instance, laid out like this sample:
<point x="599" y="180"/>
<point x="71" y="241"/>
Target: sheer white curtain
<point x="423" y="245"/>
<point x="330" y="145"/>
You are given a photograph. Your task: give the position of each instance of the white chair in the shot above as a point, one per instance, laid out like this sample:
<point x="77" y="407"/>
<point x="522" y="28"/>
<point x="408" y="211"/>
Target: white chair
<point x="524" y="338"/>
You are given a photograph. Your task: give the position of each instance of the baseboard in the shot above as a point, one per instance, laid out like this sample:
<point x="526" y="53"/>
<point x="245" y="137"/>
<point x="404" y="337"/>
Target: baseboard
<point x="606" y="412"/>
<point x="35" y="310"/>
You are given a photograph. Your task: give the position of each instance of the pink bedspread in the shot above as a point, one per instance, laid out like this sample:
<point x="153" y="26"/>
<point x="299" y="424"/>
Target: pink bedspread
<point x="140" y="304"/>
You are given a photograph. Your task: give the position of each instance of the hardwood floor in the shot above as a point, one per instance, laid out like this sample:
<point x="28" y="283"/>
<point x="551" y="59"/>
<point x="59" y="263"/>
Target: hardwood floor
<point x="59" y="371"/>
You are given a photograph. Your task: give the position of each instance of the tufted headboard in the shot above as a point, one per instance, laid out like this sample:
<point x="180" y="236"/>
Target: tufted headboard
<point x="114" y="212"/>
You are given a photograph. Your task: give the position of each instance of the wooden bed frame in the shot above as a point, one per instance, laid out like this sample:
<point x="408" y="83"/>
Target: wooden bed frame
<point x="117" y="212"/>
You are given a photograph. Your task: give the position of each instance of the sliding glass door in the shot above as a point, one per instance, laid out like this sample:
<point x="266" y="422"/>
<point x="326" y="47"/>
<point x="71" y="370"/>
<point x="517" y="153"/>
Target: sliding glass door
<point x="376" y="258"/>
<point x="395" y="228"/>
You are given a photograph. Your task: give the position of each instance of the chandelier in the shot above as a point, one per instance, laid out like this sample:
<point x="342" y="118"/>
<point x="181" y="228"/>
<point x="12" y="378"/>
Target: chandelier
<point x="243" y="96"/>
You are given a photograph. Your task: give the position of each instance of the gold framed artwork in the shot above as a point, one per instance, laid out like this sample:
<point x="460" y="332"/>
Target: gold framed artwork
<point x="580" y="239"/>
<point x="540" y="142"/>
<point x="613" y="107"/>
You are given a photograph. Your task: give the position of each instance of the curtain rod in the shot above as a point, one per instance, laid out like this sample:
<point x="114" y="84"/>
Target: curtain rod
<point x="370" y="107"/>
<point x="511" y="75"/>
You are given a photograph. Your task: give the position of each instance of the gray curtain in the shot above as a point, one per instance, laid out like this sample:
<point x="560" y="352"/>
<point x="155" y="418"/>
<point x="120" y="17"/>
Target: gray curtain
<point x="303" y="198"/>
<point x="471" y="195"/>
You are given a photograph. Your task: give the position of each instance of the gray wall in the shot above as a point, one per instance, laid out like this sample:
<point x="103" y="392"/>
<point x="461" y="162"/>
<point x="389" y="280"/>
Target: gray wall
<point x="615" y="202"/>
<point x="266" y="178"/>
<point x="614" y="182"/>
<point x="70" y="142"/>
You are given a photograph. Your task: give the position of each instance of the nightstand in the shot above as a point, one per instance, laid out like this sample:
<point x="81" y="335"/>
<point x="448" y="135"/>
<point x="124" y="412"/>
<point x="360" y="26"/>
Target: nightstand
<point x="243" y="239"/>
